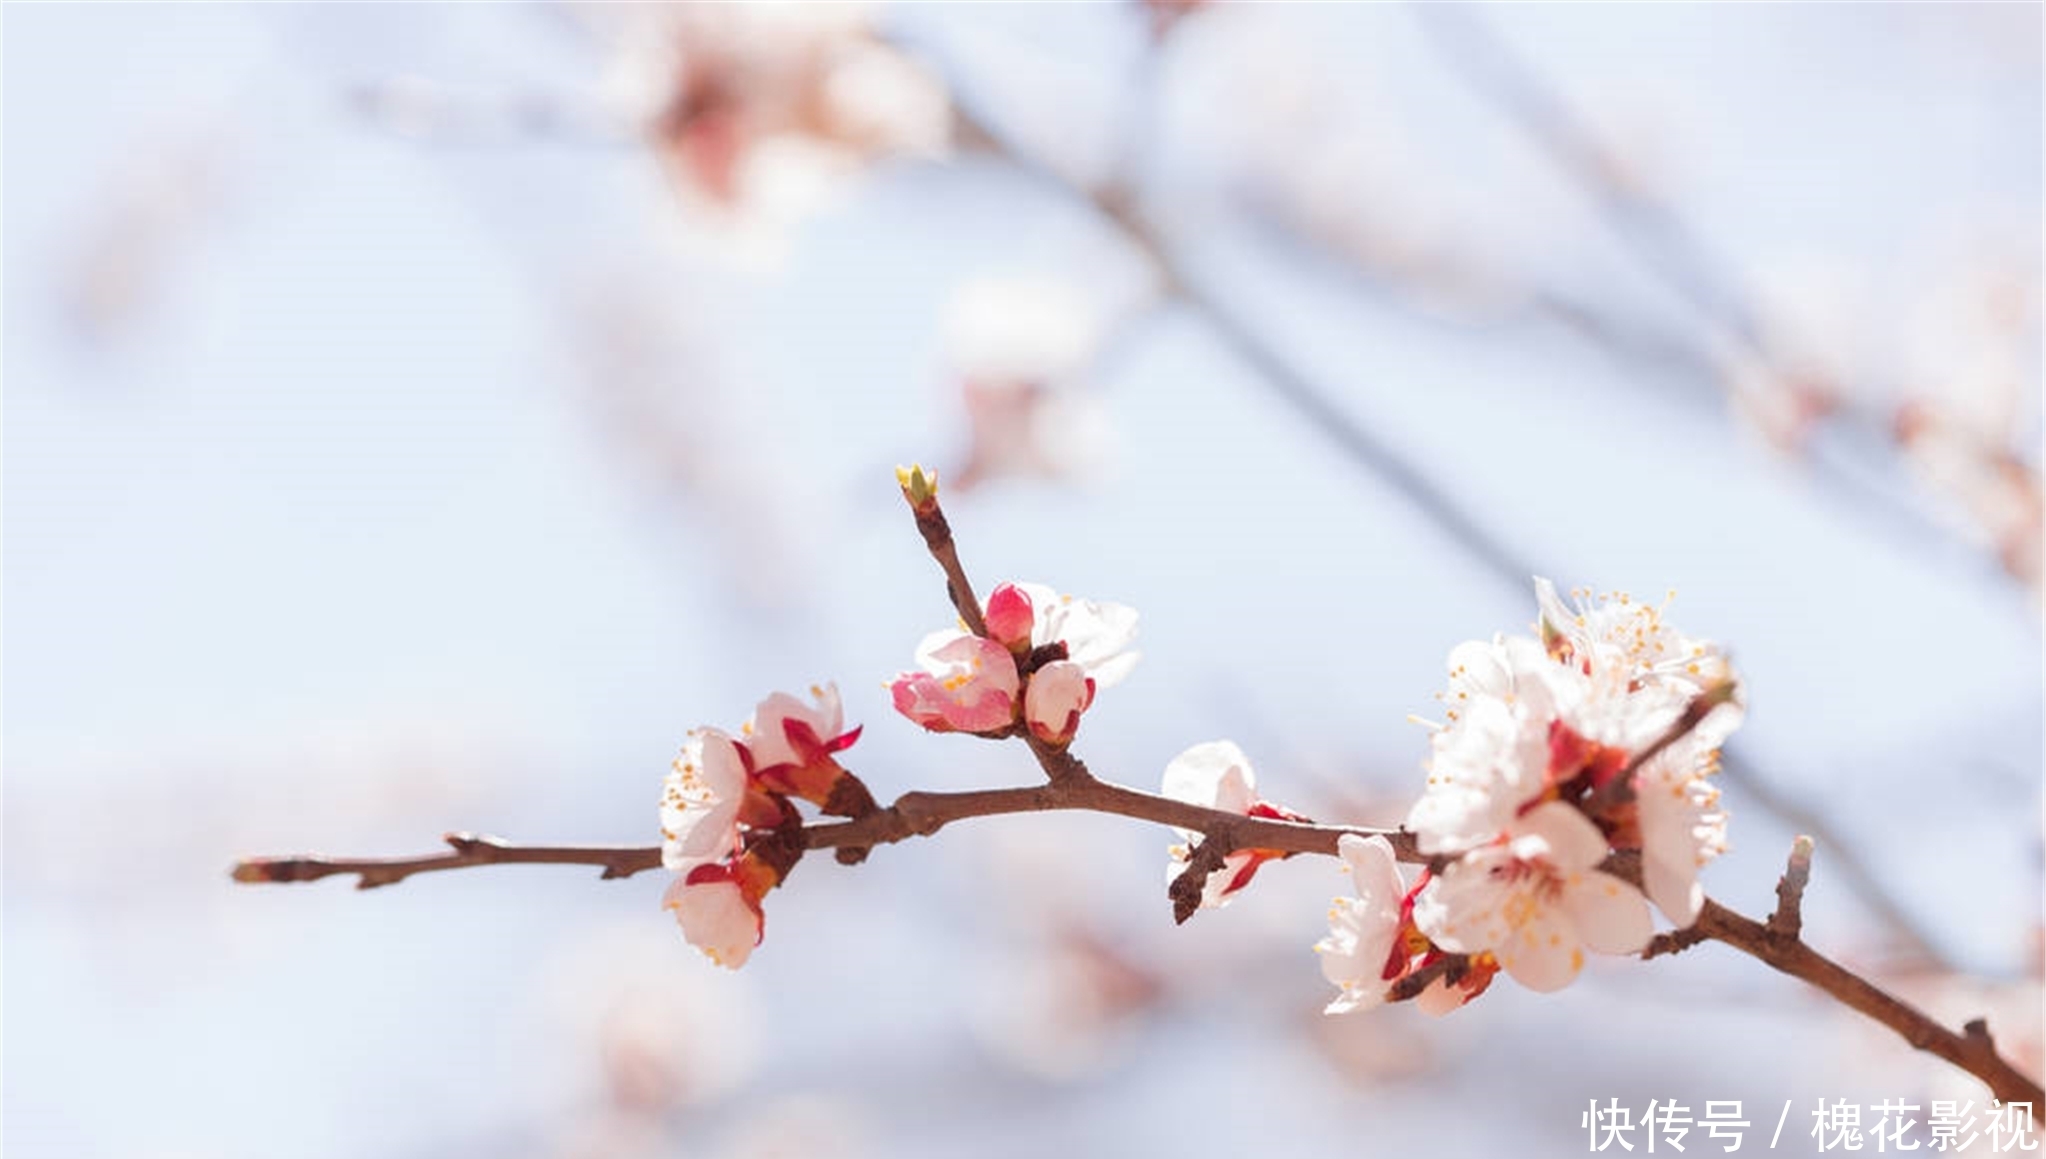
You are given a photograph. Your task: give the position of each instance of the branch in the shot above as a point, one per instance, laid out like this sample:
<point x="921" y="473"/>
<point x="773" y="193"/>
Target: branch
<point x="1672" y="250"/>
<point x="921" y="814"/>
<point x="469" y="849"/>
<point x="1788" y="920"/>
<point x="1970" y="1050"/>
<point x="1777" y="944"/>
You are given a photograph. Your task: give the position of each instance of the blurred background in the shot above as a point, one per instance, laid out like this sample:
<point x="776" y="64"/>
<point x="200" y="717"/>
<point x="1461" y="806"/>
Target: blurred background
<point x="419" y="416"/>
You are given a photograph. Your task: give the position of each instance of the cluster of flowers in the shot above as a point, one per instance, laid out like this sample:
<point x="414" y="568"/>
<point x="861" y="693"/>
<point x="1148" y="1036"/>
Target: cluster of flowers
<point x="729" y="827"/>
<point x="1555" y="753"/>
<point x="1044" y="657"/>
<point x="1536" y="776"/>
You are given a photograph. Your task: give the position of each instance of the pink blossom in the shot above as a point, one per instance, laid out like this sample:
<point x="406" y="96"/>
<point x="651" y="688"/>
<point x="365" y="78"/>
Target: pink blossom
<point x="967" y="684"/>
<point x="1009" y="617"/>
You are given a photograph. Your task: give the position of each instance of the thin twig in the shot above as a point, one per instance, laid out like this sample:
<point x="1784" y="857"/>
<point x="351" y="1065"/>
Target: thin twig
<point x="468" y="850"/>
<point x="1788" y="920"/>
<point x="1667" y="246"/>
<point x="1973" y="1053"/>
<point x="914" y="814"/>
<point x="1450" y="968"/>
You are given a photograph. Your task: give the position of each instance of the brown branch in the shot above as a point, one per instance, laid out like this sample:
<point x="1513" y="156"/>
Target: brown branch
<point x="1450" y="968"/>
<point x="1190" y="888"/>
<point x="1777" y="943"/>
<point x="468" y="850"/>
<point x="914" y="814"/>
<point x="920" y="491"/>
<point x="1971" y="1051"/>
<point x="921" y="814"/>
<point x="1788" y="920"/>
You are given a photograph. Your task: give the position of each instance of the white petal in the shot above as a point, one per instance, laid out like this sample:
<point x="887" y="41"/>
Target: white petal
<point x="1215" y="774"/>
<point x="1678" y="834"/>
<point x="1464" y="908"/>
<point x="1609" y="915"/>
<point x="1574" y="843"/>
<point x="1542" y="955"/>
<point x="715" y="918"/>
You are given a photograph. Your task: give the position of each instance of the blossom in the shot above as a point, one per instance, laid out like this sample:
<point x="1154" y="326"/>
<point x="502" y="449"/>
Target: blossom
<point x="971" y="683"/>
<point x="738" y="98"/>
<point x="1058" y="693"/>
<point x="1562" y="718"/>
<point x="1678" y="818"/>
<point x="1373" y="942"/>
<point x="1535" y="900"/>
<point x="1619" y="635"/>
<point x="729" y="830"/>
<point x="967" y="684"/>
<point x="1492" y="756"/>
<point x="1363" y="929"/>
<point x="794" y="745"/>
<point x="1097" y="635"/>
<point x="718" y="913"/>
<point x="1020" y="351"/>
<point x="1216" y="775"/>
<point x="1010" y="617"/>
<point x="700" y="801"/>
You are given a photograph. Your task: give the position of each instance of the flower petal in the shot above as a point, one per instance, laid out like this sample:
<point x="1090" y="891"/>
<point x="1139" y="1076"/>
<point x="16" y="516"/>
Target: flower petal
<point x="1609" y="915"/>
<point x="1215" y="774"/>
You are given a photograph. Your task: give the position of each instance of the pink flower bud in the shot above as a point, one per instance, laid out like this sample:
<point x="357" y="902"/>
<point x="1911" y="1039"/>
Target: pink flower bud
<point x="1009" y="617"/>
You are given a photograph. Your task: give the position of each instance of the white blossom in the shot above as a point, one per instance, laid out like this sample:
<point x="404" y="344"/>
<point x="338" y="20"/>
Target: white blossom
<point x="1363" y="926"/>
<point x="700" y="801"/>
<point x="1536" y="900"/>
<point x="715" y="915"/>
<point x="1214" y="775"/>
<point x="1097" y="634"/>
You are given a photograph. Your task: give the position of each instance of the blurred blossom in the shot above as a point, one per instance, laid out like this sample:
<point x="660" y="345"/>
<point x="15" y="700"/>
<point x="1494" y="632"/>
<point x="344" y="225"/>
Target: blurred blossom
<point x="1950" y="367"/>
<point x="1390" y="1046"/>
<point x="1065" y="1006"/>
<point x="1969" y="424"/>
<point x="646" y="1030"/>
<point x="760" y="110"/>
<point x="140" y="227"/>
<point x="801" y="1126"/>
<point x="1815" y="324"/>
<point x="1021" y="351"/>
<point x="662" y="398"/>
<point x="1165" y="15"/>
<point x="1334" y="152"/>
<point x="1056" y="997"/>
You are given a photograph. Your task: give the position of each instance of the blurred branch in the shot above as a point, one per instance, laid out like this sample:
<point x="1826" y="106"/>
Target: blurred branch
<point x="1673" y="251"/>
